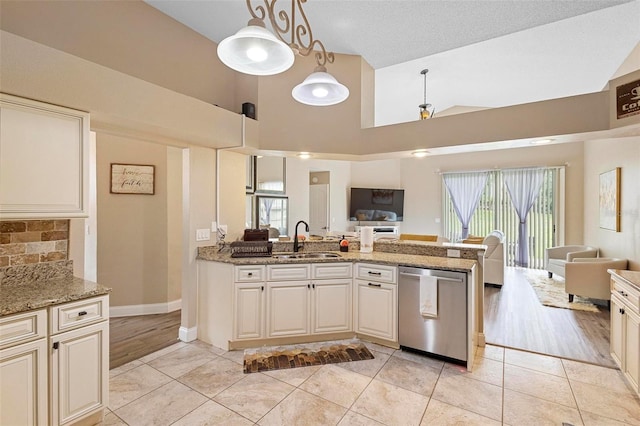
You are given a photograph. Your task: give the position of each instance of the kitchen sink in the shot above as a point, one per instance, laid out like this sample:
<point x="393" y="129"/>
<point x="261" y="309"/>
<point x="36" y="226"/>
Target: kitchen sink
<point x="305" y="255"/>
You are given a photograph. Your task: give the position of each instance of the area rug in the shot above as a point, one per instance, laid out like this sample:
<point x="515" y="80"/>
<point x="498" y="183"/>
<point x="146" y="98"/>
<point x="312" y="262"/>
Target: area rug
<point x="282" y="357"/>
<point x="550" y="292"/>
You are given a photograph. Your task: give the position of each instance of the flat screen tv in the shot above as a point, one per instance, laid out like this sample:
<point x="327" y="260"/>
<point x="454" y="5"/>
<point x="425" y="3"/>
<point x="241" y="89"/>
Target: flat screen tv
<point x="376" y="205"/>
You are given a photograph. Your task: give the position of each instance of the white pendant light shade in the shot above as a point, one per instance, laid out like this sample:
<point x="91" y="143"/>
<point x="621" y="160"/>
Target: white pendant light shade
<point x="320" y="89"/>
<point x="255" y="50"/>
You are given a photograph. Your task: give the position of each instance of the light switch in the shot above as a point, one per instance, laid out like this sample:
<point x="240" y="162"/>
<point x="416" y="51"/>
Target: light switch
<point x="203" y="234"/>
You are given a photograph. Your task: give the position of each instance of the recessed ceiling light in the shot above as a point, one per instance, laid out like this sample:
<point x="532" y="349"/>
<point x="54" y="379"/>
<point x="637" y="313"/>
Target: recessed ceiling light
<point x="541" y="141"/>
<point x="420" y="153"/>
<point x="304" y="155"/>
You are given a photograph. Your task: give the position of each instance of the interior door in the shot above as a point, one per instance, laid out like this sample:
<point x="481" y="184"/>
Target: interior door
<point x="318" y="209"/>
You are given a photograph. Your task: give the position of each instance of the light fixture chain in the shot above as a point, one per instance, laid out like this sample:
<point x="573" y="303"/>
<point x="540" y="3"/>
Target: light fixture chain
<point x="302" y="41"/>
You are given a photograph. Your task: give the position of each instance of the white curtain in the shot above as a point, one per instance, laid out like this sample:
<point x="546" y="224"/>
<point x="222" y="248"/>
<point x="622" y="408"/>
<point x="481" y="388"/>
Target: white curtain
<point x="523" y="186"/>
<point x="465" y="190"/>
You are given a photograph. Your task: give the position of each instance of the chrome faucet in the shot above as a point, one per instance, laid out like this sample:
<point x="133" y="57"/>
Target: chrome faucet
<point x="296" y="245"/>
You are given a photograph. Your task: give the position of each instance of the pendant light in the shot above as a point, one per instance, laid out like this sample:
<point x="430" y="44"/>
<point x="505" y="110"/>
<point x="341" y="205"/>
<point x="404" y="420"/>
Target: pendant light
<point x="320" y="89"/>
<point x="426" y="110"/>
<point x="257" y="51"/>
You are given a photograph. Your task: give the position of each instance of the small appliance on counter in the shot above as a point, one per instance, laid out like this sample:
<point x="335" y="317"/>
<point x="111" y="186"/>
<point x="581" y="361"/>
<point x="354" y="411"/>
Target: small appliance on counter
<point x="256" y="235"/>
<point x="344" y="244"/>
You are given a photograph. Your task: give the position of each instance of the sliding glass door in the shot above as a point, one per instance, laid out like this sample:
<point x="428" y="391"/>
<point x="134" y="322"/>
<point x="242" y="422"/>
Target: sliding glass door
<point x="495" y="211"/>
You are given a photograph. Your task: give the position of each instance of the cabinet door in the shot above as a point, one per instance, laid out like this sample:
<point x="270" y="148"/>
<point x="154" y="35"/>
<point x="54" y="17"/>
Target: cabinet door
<point x="617" y="332"/>
<point x="632" y="347"/>
<point x="288" y="308"/>
<point x="79" y="372"/>
<point x="44" y="166"/>
<point x="331" y="305"/>
<point x="377" y="309"/>
<point x="23" y="384"/>
<point x="249" y="311"/>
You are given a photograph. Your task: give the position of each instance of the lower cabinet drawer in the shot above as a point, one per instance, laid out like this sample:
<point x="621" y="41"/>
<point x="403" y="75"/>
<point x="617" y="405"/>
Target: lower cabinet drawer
<point x="77" y="314"/>
<point x="629" y="294"/>
<point x="21" y="328"/>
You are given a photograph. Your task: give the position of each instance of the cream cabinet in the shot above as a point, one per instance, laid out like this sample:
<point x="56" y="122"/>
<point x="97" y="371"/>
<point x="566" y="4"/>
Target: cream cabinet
<point x="249" y="309"/>
<point x="288" y="300"/>
<point x="23" y="369"/>
<point x="54" y="364"/>
<point x="331" y="297"/>
<point x="625" y="329"/>
<point x="79" y="364"/>
<point x="249" y="302"/>
<point x="44" y="161"/>
<point x="376" y="301"/>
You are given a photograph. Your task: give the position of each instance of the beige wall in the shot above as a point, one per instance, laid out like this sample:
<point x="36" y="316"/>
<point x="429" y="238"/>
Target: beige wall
<point x="231" y="193"/>
<point x="601" y="156"/>
<point x="128" y="36"/>
<point x="174" y="223"/>
<point x="133" y="250"/>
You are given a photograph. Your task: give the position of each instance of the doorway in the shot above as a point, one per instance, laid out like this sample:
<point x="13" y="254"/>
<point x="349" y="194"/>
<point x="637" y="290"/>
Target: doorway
<point x="319" y="203"/>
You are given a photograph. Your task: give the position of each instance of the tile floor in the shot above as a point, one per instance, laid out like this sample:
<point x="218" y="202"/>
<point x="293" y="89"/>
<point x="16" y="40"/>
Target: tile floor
<point x="198" y="384"/>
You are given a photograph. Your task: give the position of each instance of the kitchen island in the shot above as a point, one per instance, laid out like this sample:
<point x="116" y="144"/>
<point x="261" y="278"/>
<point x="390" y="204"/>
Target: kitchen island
<point x="253" y="301"/>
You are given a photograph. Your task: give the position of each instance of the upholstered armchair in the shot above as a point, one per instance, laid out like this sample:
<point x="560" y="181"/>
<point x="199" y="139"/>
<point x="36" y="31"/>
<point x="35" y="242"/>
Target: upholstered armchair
<point x="494" y="258"/>
<point x="589" y="277"/>
<point x="555" y="258"/>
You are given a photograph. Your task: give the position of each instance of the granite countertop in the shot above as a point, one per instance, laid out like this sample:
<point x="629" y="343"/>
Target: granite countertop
<point x="28" y="287"/>
<point x="41" y="294"/>
<point x="629" y="277"/>
<point x="447" y="263"/>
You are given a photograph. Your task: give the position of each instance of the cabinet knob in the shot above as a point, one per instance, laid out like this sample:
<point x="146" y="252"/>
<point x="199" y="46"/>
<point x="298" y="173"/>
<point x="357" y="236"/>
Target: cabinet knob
<point x="82" y="313"/>
<point x="250" y="274"/>
<point x="375" y="285"/>
<point x="374" y="273"/>
<point x="56" y="345"/>
<point x="622" y="311"/>
<point x="262" y="288"/>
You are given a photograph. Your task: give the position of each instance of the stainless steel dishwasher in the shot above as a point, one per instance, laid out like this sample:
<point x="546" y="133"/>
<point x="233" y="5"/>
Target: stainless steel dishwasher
<point x="445" y="334"/>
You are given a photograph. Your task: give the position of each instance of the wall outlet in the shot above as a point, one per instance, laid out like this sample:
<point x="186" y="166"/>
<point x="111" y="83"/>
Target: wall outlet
<point x="203" y="234"/>
<point x="223" y="229"/>
<point x="453" y="253"/>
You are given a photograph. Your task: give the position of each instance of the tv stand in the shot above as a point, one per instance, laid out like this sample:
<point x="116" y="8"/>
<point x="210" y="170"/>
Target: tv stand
<point x="390" y="230"/>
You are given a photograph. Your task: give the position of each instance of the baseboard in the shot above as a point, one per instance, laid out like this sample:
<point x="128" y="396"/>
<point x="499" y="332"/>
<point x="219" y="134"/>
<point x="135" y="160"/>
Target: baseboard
<point x="148" y="309"/>
<point x="188" y="334"/>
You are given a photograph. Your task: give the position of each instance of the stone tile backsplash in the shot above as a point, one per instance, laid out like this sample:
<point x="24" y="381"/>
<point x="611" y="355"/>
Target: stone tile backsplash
<point x="33" y="241"/>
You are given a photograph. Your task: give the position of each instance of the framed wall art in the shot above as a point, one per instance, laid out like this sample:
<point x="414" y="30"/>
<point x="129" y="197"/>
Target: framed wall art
<point x="132" y="179"/>
<point x="609" y="201"/>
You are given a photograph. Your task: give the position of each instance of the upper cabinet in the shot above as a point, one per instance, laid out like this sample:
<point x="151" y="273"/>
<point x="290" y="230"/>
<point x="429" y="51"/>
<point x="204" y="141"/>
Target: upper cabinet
<point x="44" y="160"/>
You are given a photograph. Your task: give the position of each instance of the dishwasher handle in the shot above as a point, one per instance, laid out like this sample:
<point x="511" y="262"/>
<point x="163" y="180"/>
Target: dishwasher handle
<point x="455" y="280"/>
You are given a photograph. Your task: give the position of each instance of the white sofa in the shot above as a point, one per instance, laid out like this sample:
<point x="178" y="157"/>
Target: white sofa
<point x="589" y="277"/>
<point x="555" y="258"/>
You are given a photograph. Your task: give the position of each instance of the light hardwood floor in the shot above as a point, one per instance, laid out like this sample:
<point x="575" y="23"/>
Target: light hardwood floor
<point x="133" y="337"/>
<point x="513" y="317"/>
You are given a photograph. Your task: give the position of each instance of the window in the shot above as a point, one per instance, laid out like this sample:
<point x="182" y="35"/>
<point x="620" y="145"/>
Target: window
<point x="495" y="211"/>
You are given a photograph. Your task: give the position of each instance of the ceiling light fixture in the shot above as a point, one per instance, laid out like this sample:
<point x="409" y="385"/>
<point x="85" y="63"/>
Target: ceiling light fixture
<point x="257" y="51"/>
<point x="304" y="155"/>
<point x="426" y="110"/>
<point x="420" y="153"/>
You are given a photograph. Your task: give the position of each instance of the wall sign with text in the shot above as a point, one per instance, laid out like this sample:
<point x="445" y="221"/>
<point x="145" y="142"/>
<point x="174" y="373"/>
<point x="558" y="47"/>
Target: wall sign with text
<point x="132" y="179"/>
<point x="628" y="99"/>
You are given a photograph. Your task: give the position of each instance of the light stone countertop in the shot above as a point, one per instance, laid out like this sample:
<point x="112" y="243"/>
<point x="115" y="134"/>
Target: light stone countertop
<point x="41" y="294"/>
<point x="433" y="262"/>
<point x="629" y="277"/>
<point x="29" y="287"/>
